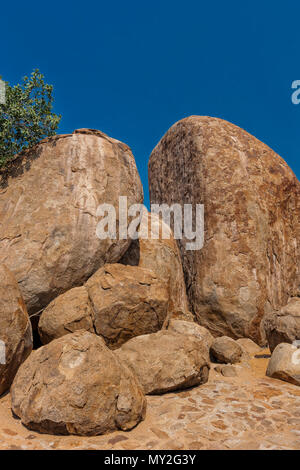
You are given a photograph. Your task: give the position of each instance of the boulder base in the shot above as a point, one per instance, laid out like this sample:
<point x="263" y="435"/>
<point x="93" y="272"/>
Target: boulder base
<point x="76" y="385"/>
<point x="166" y="361"/>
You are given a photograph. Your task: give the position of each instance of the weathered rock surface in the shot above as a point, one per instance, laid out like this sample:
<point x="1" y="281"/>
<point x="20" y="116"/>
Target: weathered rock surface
<point x="192" y="329"/>
<point x="66" y="314"/>
<point x="161" y="255"/>
<point x="249" y="346"/>
<point x="226" y="350"/>
<point x="48" y="203"/>
<point x="250" y="262"/>
<point x="166" y="361"/>
<point x="15" y="329"/>
<point x="283" y="326"/>
<point x="118" y="302"/>
<point x="227" y="371"/>
<point x="285" y="363"/>
<point x="127" y="301"/>
<point x="76" y="385"/>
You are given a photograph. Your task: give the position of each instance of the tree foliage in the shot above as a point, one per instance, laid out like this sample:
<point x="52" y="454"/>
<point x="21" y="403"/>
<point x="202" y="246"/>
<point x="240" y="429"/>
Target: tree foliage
<point x="26" y="117"/>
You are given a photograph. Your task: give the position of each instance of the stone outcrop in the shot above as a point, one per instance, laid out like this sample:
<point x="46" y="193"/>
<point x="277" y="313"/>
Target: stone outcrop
<point x="161" y="255"/>
<point x="48" y="211"/>
<point x="283" y="326"/>
<point x="118" y="302"/>
<point x="15" y="329"/>
<point x="249" y="264"/>
<point x="76" y="385"/>
<point x="226" y="350"/>
<point x="166" y="361"/>
<point x="285" y="363"/>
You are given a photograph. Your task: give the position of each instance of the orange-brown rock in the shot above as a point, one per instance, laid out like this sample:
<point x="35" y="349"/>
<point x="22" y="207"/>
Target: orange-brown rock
<point x="161" y="255"/>
<point x="249" y="346"/>
<point x="15" y="329"/>
<point x="166" y="361"/>
<point x="127" y="301"/>
<point x="226" y="350"/>
<point x="48" y="202"/>
<point x="66" y="314"/>
<point x="285" y="363"/>
<point x="250" y="262"/>
<point x="193" y="329"/>
<point x="76" y="385"/>
<point x="118" y="302"/>
<point x="283" y="326"/>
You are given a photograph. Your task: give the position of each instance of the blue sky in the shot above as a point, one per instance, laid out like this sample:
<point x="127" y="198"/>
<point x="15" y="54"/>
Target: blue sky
<point x="133" y="68"/>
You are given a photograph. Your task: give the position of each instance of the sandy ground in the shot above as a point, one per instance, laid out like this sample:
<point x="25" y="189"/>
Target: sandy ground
<point x="250" y="411"/>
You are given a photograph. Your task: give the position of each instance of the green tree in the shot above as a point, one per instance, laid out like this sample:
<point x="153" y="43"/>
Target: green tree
<point x="26" y="117"/>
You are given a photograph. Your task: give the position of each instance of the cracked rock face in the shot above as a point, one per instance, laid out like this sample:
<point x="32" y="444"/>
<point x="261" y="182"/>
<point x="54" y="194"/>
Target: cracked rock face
<point x="48" y="203"/>
<point x="15" y="329"/>
<point x="166" y="361"/>
<point x="118" y="303"/>
<point x="249" y="264"/>
<point x="283" y="326"/>
<point x="76" y="385"/>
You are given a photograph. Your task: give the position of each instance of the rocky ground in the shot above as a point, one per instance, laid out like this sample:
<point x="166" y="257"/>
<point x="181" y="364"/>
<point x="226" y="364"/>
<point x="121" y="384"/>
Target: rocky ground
<point x="249" y="411"/>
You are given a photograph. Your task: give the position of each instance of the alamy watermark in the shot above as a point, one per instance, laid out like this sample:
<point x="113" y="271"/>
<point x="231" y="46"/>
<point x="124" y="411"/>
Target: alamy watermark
<point x="187" y="222"/>
<point x="2" y="352"/>
<point x="2" y="92"/>
<point x="296" y="94"/>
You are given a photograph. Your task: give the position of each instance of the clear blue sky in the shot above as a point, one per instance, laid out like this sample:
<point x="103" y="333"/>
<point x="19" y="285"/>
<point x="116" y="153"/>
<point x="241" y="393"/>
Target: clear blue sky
<point x="133" y="68"/>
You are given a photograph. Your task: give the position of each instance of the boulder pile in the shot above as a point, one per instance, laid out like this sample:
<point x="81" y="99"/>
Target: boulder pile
<point x="120" y="319"/>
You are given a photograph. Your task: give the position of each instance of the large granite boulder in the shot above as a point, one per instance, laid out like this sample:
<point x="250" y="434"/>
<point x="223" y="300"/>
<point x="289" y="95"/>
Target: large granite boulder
<point x="166" y="361"/>
<point x="76" y="385"/>
<point x="156" y="249"/>
<point x="15" y="329"/>
<point x="283" y="326"/>
<point x="250" y="262"/>
<point x="48" y="211"/>
<point x="285" y="363"/>
<point x="118" y="302"/>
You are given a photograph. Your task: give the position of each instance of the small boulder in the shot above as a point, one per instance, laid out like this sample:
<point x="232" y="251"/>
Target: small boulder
<point x="127" y="301"/>
<point x="285" y="363"/>
<point x="166" y="361"/>
<point x="227" y="371"/>
<point x="15" y="329"/>
<point x="225" y="350"/>
<point x="66" y="314"/>
<point x="76" y="385"/>
<point x="191" y="329"/>
<point x="283" y="326"/>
